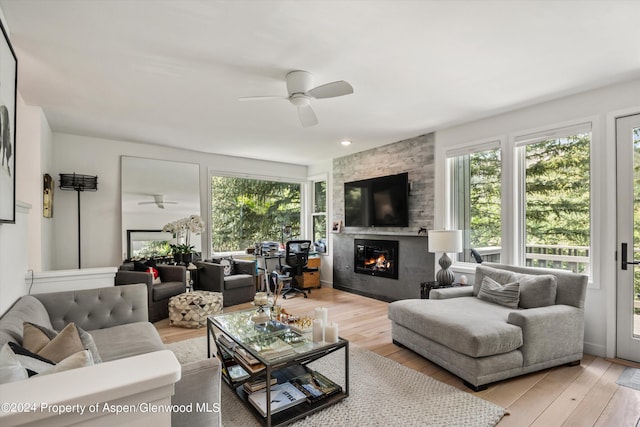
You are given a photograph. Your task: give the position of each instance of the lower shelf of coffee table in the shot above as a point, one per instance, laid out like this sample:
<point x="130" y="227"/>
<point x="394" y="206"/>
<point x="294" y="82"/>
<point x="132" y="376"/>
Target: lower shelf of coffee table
<point x="296" y="412"/>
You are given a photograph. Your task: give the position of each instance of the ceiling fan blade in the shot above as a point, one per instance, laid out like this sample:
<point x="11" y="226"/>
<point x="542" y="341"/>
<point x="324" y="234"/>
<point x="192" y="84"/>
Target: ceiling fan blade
<point x="261" y="98"/>
<point x="307" y="116"/>
<point x="331" y="90"/>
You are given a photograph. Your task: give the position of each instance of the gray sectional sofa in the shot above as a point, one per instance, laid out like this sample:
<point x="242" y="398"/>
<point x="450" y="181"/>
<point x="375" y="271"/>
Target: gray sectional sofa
<point x="483" y="342"/>
<point x="135" y="369"/>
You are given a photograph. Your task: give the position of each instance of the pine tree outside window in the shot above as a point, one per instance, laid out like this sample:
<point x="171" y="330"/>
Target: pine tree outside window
<point x="557" y="199"/>
<point x="247" y="211"/>
<point x="540" y="214"/>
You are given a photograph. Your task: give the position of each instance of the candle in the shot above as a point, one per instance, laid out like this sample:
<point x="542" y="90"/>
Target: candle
<point x="322" y="313"/>
<point x="331" y="333"/>
<point x="318" y="330"/>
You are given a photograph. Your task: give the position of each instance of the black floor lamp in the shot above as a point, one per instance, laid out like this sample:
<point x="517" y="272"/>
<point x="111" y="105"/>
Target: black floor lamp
<point x="77" y="182"/>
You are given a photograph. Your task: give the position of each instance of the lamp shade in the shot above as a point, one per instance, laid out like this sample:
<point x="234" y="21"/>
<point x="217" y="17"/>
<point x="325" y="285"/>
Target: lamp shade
<point x="445" y="241"/>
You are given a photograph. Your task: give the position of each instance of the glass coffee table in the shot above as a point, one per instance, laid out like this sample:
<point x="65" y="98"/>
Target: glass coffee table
<point x="259" y="353"/>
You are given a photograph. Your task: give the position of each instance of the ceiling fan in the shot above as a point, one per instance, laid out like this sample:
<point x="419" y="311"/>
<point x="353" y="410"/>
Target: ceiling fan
<point x="158" y="200"/>
<point x="301" y="91"/>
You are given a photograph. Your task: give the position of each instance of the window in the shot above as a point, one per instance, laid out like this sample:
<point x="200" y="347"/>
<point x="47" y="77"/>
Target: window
<point x="319" y="216"/>
<point x="247" y="211"/>
<point x="557" y="201"/>
<point x="475" y="202"/>
<point x="548" y="200"/>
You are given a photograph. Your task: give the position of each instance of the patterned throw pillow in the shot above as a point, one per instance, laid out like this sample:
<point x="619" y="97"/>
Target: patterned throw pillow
<point x="156" y="275"/>
<point x="229" y="268"/>
<point x="48" y="343"/>
<point x="507" y="295"/>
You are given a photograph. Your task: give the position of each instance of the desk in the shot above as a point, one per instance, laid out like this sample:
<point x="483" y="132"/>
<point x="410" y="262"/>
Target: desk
<point x="308" y="279"/>
<point x="311" y="278"/>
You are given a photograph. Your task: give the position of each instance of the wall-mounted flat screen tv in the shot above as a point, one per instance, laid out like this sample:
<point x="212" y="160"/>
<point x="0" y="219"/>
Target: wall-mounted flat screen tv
<point x="377" y="202"/>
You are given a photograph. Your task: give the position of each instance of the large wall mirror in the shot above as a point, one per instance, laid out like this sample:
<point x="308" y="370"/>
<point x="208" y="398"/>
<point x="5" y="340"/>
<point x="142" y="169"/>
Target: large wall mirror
<point x="156" y="193"/>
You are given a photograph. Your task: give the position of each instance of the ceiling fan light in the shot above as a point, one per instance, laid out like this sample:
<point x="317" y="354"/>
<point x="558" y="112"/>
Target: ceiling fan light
<point x="345" y="142"/>
<point x="299" y="100"/>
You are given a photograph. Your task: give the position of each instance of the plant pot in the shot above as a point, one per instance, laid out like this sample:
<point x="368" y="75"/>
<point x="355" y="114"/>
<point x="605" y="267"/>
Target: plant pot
<point x="177" y="258"/>
<point x="187" y="258"/>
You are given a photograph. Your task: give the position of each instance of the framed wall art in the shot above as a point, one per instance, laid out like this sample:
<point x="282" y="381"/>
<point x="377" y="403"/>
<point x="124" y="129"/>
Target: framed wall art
<point x="8" y="92"/>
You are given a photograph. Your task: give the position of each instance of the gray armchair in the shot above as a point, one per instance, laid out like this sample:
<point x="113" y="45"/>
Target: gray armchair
<point x="173" y="282"/>
<point x="237" y="288"/>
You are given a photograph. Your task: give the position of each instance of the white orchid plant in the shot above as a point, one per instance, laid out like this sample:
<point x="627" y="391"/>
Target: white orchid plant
<point x="182" y="229"/>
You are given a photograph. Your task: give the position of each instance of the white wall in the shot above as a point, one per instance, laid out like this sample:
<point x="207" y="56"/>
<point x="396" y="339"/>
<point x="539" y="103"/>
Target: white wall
<point x="20" y="243"/>
<point x="46" y="159"/>
<point x="13" y="258"/>
<point x="601" y="105"/>
<point x="33" y="156"/>
<point x="101" y="219"/>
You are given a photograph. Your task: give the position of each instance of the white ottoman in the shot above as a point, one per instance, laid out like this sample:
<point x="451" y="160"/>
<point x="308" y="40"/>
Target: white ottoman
<point x="191" y="309"/>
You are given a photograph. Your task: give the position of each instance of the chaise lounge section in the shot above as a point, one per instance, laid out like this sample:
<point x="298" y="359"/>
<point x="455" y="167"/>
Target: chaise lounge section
<point x="482" y="341"/>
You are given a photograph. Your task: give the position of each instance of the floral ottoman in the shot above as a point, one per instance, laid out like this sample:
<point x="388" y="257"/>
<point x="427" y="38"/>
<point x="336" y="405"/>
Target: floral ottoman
<point x="191" y="309"/>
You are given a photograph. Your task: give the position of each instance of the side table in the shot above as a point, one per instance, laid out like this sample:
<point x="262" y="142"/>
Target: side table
<point x="425" y="288"/>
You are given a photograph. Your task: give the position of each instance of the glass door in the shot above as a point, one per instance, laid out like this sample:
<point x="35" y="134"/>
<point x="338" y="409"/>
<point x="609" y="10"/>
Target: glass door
<point x="628" y="207"/>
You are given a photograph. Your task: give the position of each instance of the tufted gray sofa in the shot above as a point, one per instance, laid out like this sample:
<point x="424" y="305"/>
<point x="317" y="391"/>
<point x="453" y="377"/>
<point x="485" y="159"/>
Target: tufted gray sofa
<point x="116" y="317"/>
<point x="482" y="342"/>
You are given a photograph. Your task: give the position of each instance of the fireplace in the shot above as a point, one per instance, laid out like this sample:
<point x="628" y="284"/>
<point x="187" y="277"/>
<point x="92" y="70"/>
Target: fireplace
<point x="376" y="257"/>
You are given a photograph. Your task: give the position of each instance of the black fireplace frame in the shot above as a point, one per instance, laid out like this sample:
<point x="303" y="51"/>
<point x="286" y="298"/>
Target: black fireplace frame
<point x="392" y="244"/>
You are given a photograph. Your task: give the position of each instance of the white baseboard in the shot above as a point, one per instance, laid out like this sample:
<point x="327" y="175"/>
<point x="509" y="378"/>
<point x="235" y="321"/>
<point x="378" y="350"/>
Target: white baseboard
<point x="595" y="349"/>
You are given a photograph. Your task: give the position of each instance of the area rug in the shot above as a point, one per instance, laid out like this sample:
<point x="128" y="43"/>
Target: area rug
<point x="630" y="377"/>
<point x="381" y="393"/>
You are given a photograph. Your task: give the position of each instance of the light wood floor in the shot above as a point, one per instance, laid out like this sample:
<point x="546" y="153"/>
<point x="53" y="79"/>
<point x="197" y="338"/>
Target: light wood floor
<point x="585" y="395"/>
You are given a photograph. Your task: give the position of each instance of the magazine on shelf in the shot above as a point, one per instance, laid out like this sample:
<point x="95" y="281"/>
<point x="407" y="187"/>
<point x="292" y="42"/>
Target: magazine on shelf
<point x="237" y="373"/>
<point x="315" y="386"/>
<point x="283" y="396"/>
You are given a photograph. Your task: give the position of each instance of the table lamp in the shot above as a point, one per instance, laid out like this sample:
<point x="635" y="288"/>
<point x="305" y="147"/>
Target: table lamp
<point x="445" y="241"/>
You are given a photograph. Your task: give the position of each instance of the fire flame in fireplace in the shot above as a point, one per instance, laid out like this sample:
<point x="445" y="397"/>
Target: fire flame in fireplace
<point x="379" y="263"/>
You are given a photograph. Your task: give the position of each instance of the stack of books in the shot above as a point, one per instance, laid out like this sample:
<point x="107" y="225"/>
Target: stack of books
<point x="227" y="342"/>
<point x="270" y="248"/>
<point x="258" y="384"/>
<point x="247" y="361"/>
<point x="272" y="347"/>
<point x="283" y="396"/>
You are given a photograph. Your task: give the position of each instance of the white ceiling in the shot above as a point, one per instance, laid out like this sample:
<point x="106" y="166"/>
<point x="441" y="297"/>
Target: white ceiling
<point x="170" y="72"/>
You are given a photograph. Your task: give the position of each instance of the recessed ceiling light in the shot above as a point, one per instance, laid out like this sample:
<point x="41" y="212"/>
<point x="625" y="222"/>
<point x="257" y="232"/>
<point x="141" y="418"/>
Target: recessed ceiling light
<point x="345" y="142"/>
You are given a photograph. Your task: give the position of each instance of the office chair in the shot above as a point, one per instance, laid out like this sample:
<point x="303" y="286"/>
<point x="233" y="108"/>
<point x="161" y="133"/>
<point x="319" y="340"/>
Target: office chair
<point x="296" y="258"/>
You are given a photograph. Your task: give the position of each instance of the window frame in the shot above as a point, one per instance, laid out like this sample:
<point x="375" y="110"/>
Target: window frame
<point x="471" y="147"/>
<point x="520" y="142"/>
<point x="312" y="180"/>
<point x="513" y="186"/>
